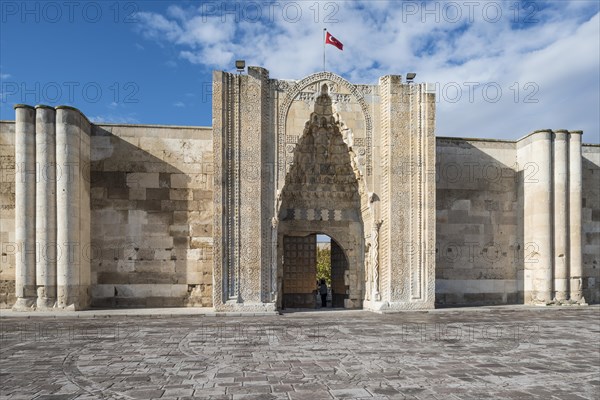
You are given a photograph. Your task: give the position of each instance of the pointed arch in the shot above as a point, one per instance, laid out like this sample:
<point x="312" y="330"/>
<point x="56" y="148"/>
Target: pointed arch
<point x="284" y="108"/>
<point x="295" y="90"/>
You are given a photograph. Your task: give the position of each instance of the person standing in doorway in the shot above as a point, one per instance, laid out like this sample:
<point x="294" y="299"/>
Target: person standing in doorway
<point x="323" y="291"/>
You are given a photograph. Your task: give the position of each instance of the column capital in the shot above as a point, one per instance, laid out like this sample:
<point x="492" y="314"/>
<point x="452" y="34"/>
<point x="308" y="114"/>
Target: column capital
<point x="44" y="106"/>
<point x="561" y="134"/>
<point x="27" y="106"/>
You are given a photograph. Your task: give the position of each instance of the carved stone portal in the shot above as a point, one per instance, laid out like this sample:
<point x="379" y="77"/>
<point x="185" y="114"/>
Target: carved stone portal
<point x="322" y="155"/>
<point x="321" y="195"/>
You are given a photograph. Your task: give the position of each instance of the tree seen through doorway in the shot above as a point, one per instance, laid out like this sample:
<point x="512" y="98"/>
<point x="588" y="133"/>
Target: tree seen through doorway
<point x="324" y="259"/>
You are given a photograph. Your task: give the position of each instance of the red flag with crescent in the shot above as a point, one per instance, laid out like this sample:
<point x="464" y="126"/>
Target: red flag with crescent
<point x="333" y="41"/>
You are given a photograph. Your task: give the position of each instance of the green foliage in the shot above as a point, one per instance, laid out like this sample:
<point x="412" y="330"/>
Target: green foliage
<point x="324" y="265"/>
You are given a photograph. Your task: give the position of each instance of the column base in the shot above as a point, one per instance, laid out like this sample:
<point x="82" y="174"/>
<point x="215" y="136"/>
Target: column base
<point x="573" y="302"/>
<point x="45" y="303"/>
<point x="73" y="298"/>
<point x="559" y="303"/>
<point x="561" y="296"/>
<point x="45" y="297"/>
<point x="24" y="304"/>
<point x="538" y="298"/>
<point x="576" y="285"/>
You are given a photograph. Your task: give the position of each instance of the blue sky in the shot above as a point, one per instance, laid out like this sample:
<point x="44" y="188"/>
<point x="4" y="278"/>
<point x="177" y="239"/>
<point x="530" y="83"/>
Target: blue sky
<point x="500" y="69"/>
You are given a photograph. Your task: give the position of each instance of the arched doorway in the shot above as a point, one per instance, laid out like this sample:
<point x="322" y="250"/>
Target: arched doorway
<point x="320" y="195"/>
<point x="339" y="266"/>
<point x="308" y="260"/>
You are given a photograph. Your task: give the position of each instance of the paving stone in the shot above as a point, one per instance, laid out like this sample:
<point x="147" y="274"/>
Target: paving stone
<point x="249" y="389"/>
<point x="350" y="393"/>
<point x="371" y="357"/>
<point x="309" y="386"/>
<point x="145" y="394"/>
<point x="262" y="396"/>
<point x="178" y="392"/>
<point x="281" y="388"/>
<point x="306" y="395"/>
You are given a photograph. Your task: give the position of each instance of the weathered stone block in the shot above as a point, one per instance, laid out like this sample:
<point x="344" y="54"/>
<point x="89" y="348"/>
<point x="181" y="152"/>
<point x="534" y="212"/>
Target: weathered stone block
<point x="202" y="195"/>
<point x="98" y="192"/>
<point x="109" y="179"/>
<point x="181" y="194"/>
<point x="157" y="194"/>
<point x="118" y="193"/>
<point x="180" y="180"/>
<point x="200" y="230"/>
<point x="137" y="194"/>
<point x="179" y="230"/>
<point x="164" y="180"/>
<point x="175" y="205"/>
<point x="112" y="278"/>
<point x="181" y="241"/>
<point x="163" y="255"/>
<point x="143" y="180"/>
<point x="173" y="302"/>
<point x="149" y="205"/>
<point x="201" y="242"/>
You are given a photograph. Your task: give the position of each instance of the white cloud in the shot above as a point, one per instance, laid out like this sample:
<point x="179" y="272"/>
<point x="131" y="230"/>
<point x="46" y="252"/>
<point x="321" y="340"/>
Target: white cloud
<point x="114" y="119"/>
<point x="553" y="47"/>
<point x="154" y="26"/>
<point x="179" y="104"/>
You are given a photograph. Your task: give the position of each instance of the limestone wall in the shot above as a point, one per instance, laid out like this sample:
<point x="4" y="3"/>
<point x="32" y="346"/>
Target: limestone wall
<point x="494" y="222"/>
<point x="151" y="216"/>
<point x="477" y="238"/>
<point x="45" y="209"/>
<point x="591" y="223"/>
<point x="7" y="214"/>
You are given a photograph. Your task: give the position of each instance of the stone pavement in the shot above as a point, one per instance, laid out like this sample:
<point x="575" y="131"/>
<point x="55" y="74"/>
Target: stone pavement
<point x="500" y="353"/>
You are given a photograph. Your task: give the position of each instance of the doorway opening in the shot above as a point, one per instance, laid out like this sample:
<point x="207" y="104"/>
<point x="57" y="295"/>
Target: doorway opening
<point x="331" y="267"/>
<point x="314" y="272"/>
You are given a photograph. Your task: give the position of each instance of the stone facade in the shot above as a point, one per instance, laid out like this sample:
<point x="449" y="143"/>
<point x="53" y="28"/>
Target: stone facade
<point x="110" y="215"/>
<point x="150" y="216"/>
<point x="7" y="214"/>
<point x="52" y="211"/>
<point x="360" y="137"/>
<point x="478" y="248"/>
<point x="590" y="222"/>
<point x="488" y="247"/>
<point x="151" y="191"/>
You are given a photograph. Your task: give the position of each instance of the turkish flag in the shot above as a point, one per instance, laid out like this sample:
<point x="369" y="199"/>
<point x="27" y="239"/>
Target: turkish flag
<point x="333" y="41"/>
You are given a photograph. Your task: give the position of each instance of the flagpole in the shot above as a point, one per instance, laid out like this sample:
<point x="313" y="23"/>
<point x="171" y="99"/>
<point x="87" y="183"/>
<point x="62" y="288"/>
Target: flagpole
<point x="324" y="30"/>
